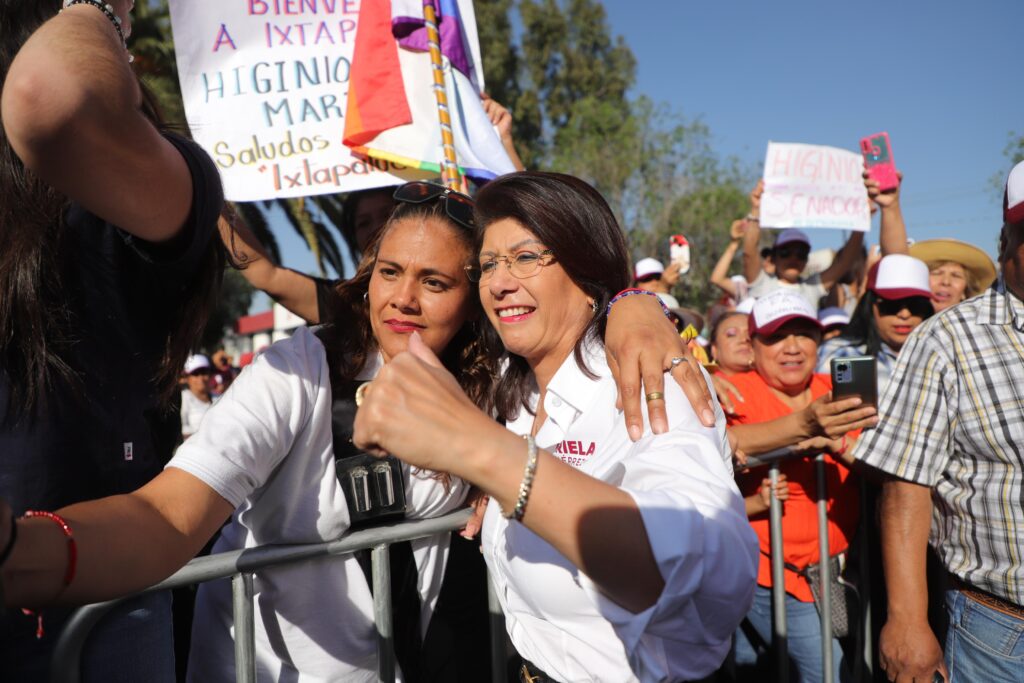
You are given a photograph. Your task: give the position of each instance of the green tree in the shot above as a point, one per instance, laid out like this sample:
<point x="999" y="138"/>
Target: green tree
<point x="1014" y="153"/>
<point x="568" y="82"/>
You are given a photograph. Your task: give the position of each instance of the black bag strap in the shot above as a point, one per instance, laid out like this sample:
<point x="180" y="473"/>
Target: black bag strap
<point x="405" y="598"/>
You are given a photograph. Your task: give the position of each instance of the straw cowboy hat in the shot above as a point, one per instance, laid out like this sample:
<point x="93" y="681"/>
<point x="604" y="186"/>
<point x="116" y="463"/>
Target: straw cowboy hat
<point x="975" y="261"/>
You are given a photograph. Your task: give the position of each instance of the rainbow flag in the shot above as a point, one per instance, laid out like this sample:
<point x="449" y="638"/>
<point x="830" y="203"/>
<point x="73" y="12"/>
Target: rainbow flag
<point x="390" y="63"/>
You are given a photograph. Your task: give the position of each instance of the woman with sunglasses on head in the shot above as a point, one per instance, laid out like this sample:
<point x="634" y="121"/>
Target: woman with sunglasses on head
<point x="613" y="559"/>
<point x="897" y="300"/>
<point x="265" y="457"/>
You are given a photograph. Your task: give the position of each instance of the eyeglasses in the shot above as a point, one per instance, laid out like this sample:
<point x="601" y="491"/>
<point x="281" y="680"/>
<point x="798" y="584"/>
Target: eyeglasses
<point x="522" y="265"/>
<point x="917" y="305"/>
<point x="458" y="206"/>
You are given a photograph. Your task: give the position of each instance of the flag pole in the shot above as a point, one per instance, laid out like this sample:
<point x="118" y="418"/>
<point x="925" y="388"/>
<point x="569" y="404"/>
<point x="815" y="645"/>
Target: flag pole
<point x="449" y="164"/>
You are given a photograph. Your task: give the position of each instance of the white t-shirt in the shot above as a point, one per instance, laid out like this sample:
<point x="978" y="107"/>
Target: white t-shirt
<point x="192" y="411"/>
<point x="695" y="520"/>
<point x="810" y="288"/>
<point x="266" y="447"/>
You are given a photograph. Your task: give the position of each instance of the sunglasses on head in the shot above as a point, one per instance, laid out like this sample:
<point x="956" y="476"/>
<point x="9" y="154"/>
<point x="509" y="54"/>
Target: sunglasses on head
<point x="458" y="206"/>
<point x="917" y="305"/>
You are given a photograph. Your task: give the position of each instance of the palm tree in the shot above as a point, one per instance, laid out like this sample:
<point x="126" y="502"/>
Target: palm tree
<point x="315" y="219"/>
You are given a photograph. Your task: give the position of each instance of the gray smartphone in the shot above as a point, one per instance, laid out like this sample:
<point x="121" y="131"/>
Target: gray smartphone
<point x="855" y="376"/>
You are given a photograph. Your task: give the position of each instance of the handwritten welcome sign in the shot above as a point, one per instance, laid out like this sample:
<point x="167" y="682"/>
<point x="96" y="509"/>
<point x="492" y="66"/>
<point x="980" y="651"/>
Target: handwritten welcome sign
<point x="265" y="85"/>
<point x="813" y="186"/>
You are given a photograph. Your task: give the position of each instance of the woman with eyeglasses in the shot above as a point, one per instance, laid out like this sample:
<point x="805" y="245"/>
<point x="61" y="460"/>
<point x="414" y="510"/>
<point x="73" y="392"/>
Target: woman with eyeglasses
<point x="268" y="455"/>
<point x="613" y="559"/>
<point x="897" y="300"/>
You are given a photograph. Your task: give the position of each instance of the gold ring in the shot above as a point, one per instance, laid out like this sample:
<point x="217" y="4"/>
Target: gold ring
<point x="654" y="396"/>
<point x="361" y="393"/>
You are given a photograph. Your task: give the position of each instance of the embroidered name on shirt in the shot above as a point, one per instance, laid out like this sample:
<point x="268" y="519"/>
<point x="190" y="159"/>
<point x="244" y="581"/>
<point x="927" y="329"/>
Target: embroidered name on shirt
<point x="567" y="449"/>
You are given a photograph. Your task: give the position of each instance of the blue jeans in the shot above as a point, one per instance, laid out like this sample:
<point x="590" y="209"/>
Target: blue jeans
<point x="982" y="644"/>
<point x="803" y="640"/>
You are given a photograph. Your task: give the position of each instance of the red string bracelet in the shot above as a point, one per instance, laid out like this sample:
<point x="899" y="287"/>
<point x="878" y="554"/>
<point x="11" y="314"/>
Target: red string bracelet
<point x="72" y="558"/>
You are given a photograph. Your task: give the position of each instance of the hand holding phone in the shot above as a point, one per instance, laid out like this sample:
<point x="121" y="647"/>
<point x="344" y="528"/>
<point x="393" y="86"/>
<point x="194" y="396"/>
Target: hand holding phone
<point x="877" y="153"/>
<point x="679" y="252"/>
<point x="855" y="376"/>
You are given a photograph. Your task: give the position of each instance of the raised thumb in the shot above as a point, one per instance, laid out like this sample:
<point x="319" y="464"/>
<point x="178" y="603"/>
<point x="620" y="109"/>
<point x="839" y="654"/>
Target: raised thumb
<point x="419" y="349"/>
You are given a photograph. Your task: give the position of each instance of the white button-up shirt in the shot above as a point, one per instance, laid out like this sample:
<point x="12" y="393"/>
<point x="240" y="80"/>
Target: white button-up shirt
<point x="696" y="524"/>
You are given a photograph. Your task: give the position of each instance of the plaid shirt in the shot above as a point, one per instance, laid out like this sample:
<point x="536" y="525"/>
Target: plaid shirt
<point x="953" y="420"/>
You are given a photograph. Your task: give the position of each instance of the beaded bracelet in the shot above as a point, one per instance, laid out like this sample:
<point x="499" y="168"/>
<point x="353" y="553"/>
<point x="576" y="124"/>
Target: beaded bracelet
<point x="72" y="565"/>
<point x="107" y="10"/>
<point x="527" y="484"/>
<point x="629" y="292"/>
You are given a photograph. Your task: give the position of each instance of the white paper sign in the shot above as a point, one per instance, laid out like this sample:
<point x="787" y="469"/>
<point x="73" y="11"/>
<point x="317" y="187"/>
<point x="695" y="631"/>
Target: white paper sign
<point x="813" y="186"/>
<point x="265" y="85"/>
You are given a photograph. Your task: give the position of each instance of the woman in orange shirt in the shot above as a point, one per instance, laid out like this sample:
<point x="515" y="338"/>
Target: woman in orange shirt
<point x="783" y="389"/>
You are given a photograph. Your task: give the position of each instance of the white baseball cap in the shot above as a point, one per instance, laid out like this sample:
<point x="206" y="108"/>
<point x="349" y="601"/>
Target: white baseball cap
<point x="1013" y="198"/>
<point x="746" y="306"/>
<point x="197" y="361"/>
<point x="898" y="276"/>
<point x="647" y="267"/>
<point x="833" y="315"/>
<point x="774" y="310"/>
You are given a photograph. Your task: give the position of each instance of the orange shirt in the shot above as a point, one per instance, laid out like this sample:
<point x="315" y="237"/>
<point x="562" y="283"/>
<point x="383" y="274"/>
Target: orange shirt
<point x="800" y="512"/>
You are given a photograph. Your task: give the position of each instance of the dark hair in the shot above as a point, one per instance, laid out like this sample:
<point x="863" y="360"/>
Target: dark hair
<point x="574" y="221"/>
<point x="349" y="208"/>
<point x="36" y="325"/>
<point x="862" y="328"/>
<point x="349" y="344"/>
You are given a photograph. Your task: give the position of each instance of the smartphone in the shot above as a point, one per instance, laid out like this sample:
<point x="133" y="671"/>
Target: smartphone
<point x="679" y="252"/>
<point x="855" y="376"/>
<point x="878" y="161"/>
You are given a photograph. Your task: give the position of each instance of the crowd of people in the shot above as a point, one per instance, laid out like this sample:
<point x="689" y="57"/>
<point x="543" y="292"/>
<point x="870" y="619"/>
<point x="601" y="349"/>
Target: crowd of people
<point x="502" y="351"/>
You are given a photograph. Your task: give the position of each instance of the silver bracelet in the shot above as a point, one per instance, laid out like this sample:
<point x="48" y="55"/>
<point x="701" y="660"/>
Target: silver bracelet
<point x="527" y="483"/>
<point x="108" y="11"/>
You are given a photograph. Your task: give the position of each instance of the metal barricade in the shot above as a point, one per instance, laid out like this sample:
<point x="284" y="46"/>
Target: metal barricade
<point x="240" y="565"/>
<point x="772" y="460"/>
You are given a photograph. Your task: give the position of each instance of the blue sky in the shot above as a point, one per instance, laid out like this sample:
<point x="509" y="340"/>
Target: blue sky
<point x="941" y="77"/>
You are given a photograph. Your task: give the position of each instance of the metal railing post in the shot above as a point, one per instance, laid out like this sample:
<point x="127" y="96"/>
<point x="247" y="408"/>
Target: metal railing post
<point x="380" y="558"/>
<point x="867" y="532"/>
<point x="779" y="646"/>
<point x="499" y="672"/>
<point x="824" y="563"/>
<point x="245" y="627"/>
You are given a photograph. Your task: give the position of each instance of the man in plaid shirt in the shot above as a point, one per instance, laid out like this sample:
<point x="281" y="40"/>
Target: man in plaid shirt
<point x="951" y="440"/>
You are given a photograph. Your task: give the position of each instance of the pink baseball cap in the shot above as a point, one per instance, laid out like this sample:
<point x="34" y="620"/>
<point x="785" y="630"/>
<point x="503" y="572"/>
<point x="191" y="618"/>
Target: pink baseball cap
<point x="898" y="276"/>
<point x="1013" y="198"/>
<point x="774" y="310"/>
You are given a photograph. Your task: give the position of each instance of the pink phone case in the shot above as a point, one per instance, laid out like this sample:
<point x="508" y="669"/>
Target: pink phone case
<point x="877" y="153"/>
